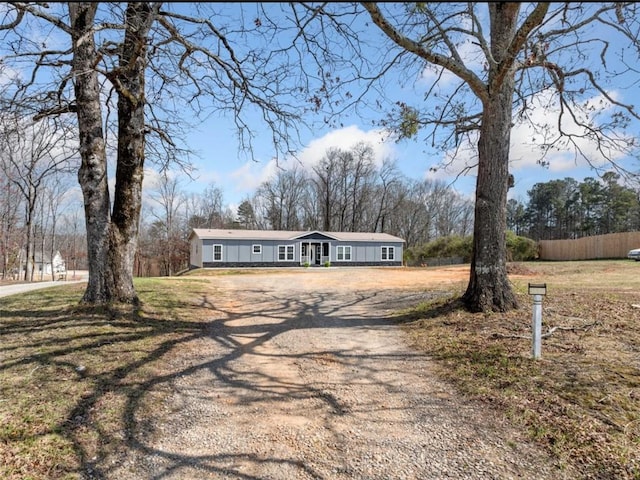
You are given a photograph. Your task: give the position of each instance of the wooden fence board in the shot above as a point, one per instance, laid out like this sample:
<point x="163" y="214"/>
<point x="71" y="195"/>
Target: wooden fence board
<point x="612" y="245"/>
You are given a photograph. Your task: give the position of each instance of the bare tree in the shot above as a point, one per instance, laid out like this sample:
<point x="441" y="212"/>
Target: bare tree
<point x="343" y="184"/>
<point x="282" y="199"/>
<point x="155" y="62"/>
<point x="326" y="181"/>
<point x="358" y="177"/>
<point x="168" y="199"/>
<point x="501" y="57"/>
<point x="10" y="228"/>
<point x="416" y="210"/>
<point x="31" y="154"/>
<point x="207" y="210"/>
<point x="73" y="242"/>
<point x="54" y="204"/>
<point x="453" y="215"/>
<point x="389" y="180"/>
<point x="169" y="239"/>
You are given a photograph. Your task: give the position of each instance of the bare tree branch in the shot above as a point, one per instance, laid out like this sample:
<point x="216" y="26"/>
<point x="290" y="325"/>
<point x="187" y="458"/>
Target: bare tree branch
<point x="459" y="69"/>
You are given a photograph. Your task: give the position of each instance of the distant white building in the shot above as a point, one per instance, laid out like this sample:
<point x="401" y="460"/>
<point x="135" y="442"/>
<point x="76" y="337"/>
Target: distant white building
<point x="45" y="265"/>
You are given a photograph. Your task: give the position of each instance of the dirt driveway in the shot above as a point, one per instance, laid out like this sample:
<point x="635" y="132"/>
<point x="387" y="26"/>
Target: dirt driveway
<point x="304" y="375"/>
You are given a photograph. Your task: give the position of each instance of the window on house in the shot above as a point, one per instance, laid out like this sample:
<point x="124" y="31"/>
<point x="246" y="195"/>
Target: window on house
<point x="388" y="253"/>
<point x="217" y="253"/>
<point x="257" y="249"/>
<point x="285" y="253"/>
<point x="343" y="252"/>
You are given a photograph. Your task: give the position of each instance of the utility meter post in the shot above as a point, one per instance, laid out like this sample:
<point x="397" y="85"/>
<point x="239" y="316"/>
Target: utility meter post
<point x="538" y="291"/>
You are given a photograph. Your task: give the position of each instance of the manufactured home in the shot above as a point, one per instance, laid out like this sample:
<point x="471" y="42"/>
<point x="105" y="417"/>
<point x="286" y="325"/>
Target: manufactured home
<point x="277" y="248"/>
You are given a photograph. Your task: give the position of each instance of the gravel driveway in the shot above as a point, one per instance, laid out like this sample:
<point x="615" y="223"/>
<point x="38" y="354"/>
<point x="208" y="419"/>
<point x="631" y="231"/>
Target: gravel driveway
<point x="305" y="376"/>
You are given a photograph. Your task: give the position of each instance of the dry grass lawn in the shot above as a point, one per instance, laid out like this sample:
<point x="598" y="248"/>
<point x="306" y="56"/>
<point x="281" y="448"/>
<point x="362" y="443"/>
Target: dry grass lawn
<point x="73" y="379"/>
<point x="582" y="398"/>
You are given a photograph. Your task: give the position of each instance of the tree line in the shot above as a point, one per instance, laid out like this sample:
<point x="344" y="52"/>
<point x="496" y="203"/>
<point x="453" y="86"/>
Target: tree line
<point x="38" y="217"/>
<point x="345" y="191"/>
<point x="33" y="228"/>
<point x="566" y="208"/>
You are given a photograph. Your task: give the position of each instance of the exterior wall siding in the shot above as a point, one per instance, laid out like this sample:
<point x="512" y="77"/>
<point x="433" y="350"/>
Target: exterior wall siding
<point x="239" y="253"/>
<point x="367" y="252"/>
<point x="196" y="253"/>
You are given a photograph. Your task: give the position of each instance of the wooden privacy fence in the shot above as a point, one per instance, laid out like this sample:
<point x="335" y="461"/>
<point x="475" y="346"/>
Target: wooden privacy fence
<point x="612" y="245"/>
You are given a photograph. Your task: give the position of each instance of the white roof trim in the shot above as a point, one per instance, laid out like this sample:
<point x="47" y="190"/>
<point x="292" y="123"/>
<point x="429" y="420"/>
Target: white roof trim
<point x="326" y="234"/>
<point x="256" y="235"/>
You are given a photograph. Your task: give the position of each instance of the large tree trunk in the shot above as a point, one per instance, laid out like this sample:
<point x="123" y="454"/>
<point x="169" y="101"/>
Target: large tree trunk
<point x="125" y="218"/>
<point x="112" y="237"/>
<point x="92" y="175"/>
<point x="489" y="288"/>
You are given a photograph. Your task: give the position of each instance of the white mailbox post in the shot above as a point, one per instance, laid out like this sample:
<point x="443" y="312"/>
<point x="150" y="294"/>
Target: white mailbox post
<point x="538" y="291"/>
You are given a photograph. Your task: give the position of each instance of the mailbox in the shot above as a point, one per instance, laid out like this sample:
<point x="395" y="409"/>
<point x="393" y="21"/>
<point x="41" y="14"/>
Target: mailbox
<point x="537" y="289"/>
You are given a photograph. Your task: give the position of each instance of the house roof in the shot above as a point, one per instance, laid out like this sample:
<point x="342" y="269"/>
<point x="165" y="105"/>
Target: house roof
<point x="220" y="234"/>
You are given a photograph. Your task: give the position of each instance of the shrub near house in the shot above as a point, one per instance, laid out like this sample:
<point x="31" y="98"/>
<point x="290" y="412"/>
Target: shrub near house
<point x="456" y="249"/>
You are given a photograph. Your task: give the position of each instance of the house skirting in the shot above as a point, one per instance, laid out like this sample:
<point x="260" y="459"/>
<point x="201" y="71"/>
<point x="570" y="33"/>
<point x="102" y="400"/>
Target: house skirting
<point x="367" y="264"/>
<point x="294" y="264"/>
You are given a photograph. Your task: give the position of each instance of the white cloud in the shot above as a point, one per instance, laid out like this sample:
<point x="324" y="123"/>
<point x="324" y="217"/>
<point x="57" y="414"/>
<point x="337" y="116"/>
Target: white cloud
<point x="251" y="174"/>
<point x="345" y="138"/>
<point x="207" y="177"/>
<point x="432" y="73"/>
<point x="528" y="137"/>
<point x="151" y="180"/>
<point x="9" y="76"/>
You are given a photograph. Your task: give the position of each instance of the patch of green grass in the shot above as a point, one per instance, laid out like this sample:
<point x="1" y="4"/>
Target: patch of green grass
<point x="76" y="380"/>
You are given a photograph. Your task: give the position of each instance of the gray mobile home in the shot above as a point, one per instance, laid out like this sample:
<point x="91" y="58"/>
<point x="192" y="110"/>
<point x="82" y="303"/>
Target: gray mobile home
<point x="277" y="248"/>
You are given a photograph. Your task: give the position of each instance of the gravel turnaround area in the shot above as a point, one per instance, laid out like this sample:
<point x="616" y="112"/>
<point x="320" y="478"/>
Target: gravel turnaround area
<point x="305" y="375"/>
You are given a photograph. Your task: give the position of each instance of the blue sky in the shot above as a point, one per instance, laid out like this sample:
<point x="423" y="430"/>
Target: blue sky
<point x="220" y="161"/>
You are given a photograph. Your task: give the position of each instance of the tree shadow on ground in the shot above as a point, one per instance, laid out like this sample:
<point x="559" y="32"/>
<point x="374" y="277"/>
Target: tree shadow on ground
<point x="94" y="381"/>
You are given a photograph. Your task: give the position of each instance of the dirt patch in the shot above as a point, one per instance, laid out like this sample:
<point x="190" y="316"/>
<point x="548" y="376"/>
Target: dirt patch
<point x="519" y="269"/>
<point x="305" y="375"/>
